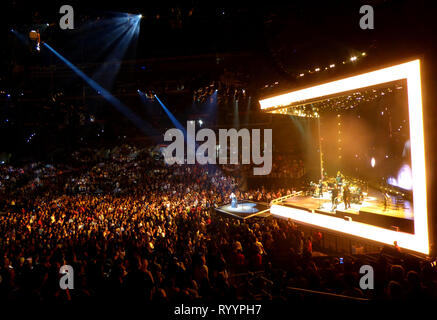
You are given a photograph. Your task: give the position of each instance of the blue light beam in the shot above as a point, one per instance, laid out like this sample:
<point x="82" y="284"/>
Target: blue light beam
<point x="137" y="121"/>
<point x="23" y="39"/>
<point x="105" y="75"/>
<point x="173" y="119"/>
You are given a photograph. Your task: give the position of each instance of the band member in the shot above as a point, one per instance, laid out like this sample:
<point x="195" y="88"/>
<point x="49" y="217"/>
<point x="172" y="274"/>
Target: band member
<point x="320" y="188"/>
<point x="386" y="199"/>
<point x="339" y="178"/>
<point x="233" y="200"/>
<point x="360" y="195"/>
<point x="334" y="196"/>
<point x="346" y="197"/>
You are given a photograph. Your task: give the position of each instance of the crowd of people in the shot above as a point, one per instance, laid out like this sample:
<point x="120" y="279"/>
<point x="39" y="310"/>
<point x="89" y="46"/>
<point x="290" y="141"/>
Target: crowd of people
<point x="136" y="229"/>
<point x="286" y="167"/>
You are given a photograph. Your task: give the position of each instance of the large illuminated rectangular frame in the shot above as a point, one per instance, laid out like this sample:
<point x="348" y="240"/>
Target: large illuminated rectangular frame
<point x="419" y="241"/>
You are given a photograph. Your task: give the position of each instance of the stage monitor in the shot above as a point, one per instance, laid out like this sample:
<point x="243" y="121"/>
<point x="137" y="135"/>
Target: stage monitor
<point x="371" y="152"/>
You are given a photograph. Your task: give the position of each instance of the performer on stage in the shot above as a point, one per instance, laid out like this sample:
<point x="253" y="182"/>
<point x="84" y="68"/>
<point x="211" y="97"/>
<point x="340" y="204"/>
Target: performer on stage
<point x="360" y="195"/>
<point x="346" y="197"/>
<point x="339" y="179"/>
<point x="233" y="200"/>
<point x="334" y="196"/>
<point x="320" y="188"/>
<point x="386" y="199"/>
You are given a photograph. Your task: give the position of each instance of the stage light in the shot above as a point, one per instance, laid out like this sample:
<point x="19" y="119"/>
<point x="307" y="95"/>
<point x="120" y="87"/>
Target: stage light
<point x="332" y="65"/>
<point x="317" y="69"/>
<point x="353" y="58"/>
<point x="372" y="162"/>
<point x="419" y="241"/>
<point x="140" y="16"/>
<point x="33" y="35"/>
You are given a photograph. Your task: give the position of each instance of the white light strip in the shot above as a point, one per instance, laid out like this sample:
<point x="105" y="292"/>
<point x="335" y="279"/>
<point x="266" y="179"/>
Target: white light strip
<point x="357" y="82"/>
<point x="405" y="240"/>
<point x="420" y="211"/>
<point x="411" y="72"/>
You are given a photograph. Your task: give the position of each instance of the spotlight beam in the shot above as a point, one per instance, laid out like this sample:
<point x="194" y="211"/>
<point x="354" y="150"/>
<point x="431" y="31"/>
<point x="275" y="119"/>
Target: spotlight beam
<point x="137" y="121"/>
<point x="106" y="73"/>
<point x="23" y="39"/>
<point x="105" y="36"/>
<point x="171" y="116"/>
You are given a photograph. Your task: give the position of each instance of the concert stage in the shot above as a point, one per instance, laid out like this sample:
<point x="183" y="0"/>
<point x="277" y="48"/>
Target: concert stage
<point x="369" y="129"/>
<point x="246" y="209"/>
<point x="371" y="210"/>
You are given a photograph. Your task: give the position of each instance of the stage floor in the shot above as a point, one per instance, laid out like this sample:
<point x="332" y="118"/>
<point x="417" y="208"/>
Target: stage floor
<point x="246" y="209"/>
<point x="372" y="203"/>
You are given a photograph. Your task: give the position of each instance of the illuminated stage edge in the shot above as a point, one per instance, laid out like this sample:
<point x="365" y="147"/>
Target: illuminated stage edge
<point x="362" y="230"/>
